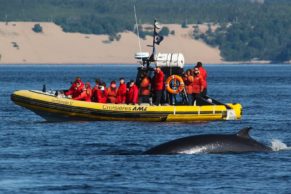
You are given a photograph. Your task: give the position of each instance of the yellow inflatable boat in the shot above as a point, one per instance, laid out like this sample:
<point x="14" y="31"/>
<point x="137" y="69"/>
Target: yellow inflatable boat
<point x="54" y="108"/>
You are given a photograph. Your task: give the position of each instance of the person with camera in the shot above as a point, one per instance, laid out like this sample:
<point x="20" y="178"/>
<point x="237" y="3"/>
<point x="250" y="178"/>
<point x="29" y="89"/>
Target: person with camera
<point x="102" y="93"/>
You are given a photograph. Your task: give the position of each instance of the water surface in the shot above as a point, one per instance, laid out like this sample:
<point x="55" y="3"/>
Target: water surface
<point x="102" y="157"/>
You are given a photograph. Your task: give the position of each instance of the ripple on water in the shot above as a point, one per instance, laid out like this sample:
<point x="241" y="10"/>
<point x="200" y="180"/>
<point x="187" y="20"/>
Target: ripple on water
<point x="90" y="157"/>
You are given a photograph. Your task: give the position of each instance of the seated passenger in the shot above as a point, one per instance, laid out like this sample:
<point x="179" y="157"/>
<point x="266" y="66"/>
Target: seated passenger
<point x="197" y="85"/>
<point x="121" y="92"/>
<point x="86" y="94"/>
<point x="132" y="94"/>
<point x="188" y="80"/>
<point x="112" y="92"/>
<point x="94" y="90"/>
<point x="145" y="88"/>
<point x="76" y="88"/>
<point x="102" y="93"/>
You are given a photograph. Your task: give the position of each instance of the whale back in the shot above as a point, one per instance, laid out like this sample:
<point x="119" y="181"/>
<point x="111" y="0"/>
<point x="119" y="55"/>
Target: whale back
<point x="244" y="133"/>
<point x="211" y="143"/>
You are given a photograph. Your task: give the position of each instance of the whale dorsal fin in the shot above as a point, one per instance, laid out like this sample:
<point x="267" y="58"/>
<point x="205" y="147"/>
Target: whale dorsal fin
<point x="244" y="133"/>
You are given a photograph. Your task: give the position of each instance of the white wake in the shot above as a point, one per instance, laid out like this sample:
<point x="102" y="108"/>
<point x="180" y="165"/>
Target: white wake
<point x="278" y="145"/>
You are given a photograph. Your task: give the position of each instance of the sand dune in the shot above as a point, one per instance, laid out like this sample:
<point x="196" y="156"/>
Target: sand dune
<point x="20" y="45"/>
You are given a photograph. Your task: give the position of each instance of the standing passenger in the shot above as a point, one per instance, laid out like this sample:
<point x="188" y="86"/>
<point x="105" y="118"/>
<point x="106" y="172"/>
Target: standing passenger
<point x="112" y="92"/>
<point x="145" y="88"/>
<point x="132" y="93"/>
<point x="121" y="92"/>
<point x="197" y="85"/>
<point x="203" y="73"/>
<point x="188" y="80"/>
<point x="158" y="85"/>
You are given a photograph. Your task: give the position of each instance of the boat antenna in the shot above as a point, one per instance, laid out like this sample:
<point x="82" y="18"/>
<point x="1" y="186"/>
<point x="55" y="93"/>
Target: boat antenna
<point x="137" y="28"/>
<point x="152" y="57"/>
<point x="154" y="37"/>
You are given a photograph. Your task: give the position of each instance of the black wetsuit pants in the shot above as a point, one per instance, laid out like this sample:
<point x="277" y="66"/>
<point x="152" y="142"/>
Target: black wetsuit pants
<point x="158" y="97"/>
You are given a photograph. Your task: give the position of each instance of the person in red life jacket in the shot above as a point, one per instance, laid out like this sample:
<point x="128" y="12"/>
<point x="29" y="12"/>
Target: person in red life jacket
<point x="188" y="80"/>
<point x="102" y="93"/>
<point x="197" y="85"/>
<point x="94" y="90"/>
<point x="121" y="92"/>
<point x="112" y="92"/>
<point x="76" y="88"/>
<point x="158" y="85"/>
<point x="86" y="94"/>
<point x="203" y="73"/>
<point x="145" y="88"/>
<point x="132" y="94"/>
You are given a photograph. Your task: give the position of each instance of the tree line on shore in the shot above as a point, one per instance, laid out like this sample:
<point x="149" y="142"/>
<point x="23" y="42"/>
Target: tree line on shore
<point x="246" y="29"/>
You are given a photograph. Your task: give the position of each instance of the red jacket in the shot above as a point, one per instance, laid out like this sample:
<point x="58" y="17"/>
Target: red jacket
<point x="121" y="94"/>
<point x="197" y="84"/>
<point x="74" y="91"/>
<point x="203" y="73"/>
<point x="102" y="96"/>
<point x="112" y="93"/>
<point x="158" y="81"/>
<point x="94" y="93"/>
<point x="145" y="86"/>
<point x="85" y="95"/>
<point x="132" y="95"/>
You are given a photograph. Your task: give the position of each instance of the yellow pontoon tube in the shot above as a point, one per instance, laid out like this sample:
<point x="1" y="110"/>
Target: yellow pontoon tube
<point x="53" y="108"/>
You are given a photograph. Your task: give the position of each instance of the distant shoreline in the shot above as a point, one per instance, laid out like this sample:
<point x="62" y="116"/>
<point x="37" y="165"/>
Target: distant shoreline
<point x="129" y="64"/>
<point x="22" y="46"/>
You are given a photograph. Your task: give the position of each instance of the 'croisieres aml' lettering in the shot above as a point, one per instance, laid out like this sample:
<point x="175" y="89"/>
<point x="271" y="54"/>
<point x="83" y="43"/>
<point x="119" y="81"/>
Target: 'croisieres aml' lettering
<point x="62" y="102"/>
<point x="123" y="108"/>
<point x="139" y="109"/>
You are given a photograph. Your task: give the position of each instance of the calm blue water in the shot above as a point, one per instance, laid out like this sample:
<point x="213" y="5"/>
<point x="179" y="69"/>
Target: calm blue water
<point x="104" y="157"/>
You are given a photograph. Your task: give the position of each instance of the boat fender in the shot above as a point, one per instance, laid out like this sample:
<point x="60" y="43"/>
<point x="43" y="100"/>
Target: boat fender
<point x="175" y="89"/>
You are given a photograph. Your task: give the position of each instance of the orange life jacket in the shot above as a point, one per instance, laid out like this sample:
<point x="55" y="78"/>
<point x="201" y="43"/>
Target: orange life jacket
<point x="145" y="86"/>
<point x="188" y="84"/>
<point x="111" y="95"/>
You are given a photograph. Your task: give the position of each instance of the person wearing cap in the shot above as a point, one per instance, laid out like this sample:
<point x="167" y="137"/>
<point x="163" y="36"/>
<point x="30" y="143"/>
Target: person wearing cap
<point x="158" y="85"/>
<point x="95" y="89"/>
<point x="132" y="94"/>
<point x="203" y="74"/>
<point x="76" y="88"/>
<point x="112" y="92"/>
<point x="145" y="88"/>
<point x="121" y="92"/>
<point x="197" y="85"/>
<point x="86" y="93"/>
<point x="102" y="93"/>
